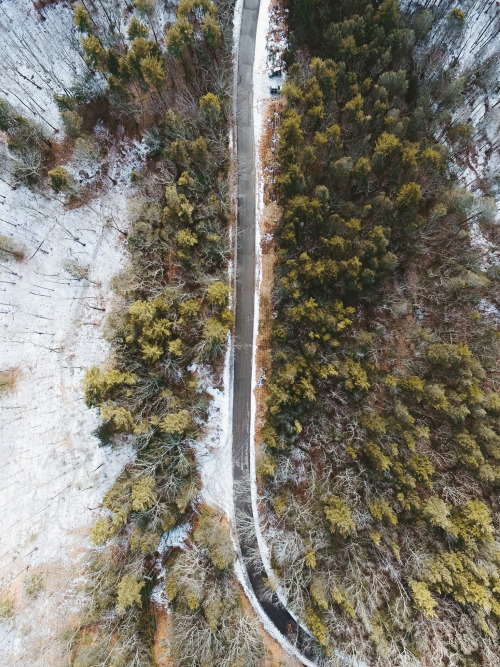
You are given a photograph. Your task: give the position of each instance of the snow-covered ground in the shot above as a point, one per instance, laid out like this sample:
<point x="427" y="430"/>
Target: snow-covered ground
<point x="37" y="58"/>
<point x="53" y="473"/>
<point x="480" y="39"/>
<point x="177" y="537"/>
<point x="53" y="304"/>
<point x="482" y="21"/>
<point x="214" y="449"/>
<point x="269" y="48"/>
<point x="468" y="49"/>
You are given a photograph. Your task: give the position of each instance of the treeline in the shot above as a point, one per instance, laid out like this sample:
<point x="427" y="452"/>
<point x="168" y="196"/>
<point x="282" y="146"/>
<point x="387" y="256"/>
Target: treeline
<point x="168" y="336"/>
<point x="382" y="431"/>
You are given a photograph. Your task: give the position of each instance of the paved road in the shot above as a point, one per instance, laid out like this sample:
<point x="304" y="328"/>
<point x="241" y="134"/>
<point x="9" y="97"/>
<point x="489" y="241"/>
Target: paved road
<point x="245" y="252"/>
<point x="245" y="291"/>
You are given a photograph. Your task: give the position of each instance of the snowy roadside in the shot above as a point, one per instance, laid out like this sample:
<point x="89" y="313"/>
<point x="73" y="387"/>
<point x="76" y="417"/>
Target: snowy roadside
<point x="260" y="94"/>
<point x="214" y="450"/>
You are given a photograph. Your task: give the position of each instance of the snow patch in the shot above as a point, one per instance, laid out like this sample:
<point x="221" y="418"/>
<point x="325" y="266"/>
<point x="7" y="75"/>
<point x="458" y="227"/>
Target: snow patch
<point x="177" y="537"/>
<point x="53" y="473"/>
<point x="214" y="450"/>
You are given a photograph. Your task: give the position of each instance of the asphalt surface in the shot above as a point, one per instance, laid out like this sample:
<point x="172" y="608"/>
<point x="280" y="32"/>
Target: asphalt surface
<point x="245" y="250"/>
<point x="244" y="313"/>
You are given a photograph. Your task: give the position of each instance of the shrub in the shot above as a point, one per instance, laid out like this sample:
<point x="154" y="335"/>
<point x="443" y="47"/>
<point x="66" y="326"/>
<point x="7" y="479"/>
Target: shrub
<point x="8" y="379"/>
<point x="6" y="608"/>
<point x="9" y="249"/>
<point x="33" y="584"/>
<point x="457" y="16"/>
<point x="60" y="179"/>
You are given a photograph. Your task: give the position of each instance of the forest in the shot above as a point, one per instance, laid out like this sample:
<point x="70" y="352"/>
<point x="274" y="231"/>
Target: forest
<point x="380" y="468"/>
<point x="168" y="332"/>
<point x="378" y="459"/>
<point x="176" y="320"/>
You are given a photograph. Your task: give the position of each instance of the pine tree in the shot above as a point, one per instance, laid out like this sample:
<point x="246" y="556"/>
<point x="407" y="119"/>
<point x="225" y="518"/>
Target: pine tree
<point x="212" y="33"/>
<point x="381" y="510"/>
<point x="213" y="536"/>
<point x="211" y="106"/>
<point x="218" y="294"/>
<point x="437" y="513"/>
<point x="176" y="423"/>
<point x="422" y="598"/>
<point x="128" y="593"/>
<point x="178" y="37"/>
<point x="319" y="592"/>
<point x="317" y="627"/>
<point x="340" y="598"/>
<point x="143" y="493"/>
<point x="96" y="53"/>
<point x="339" y="517"/>
<point x="153" y="72"/>
<point x="215" y="332"/>
<point x="99" y="533"/>
<point x="137" y="29"/>
<point x="81" y="18"/>
<point x="186" y="238"/>
<point x="409" y="196"/>
<point x="121" y="418"/>
<point x="72" y="123"/>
